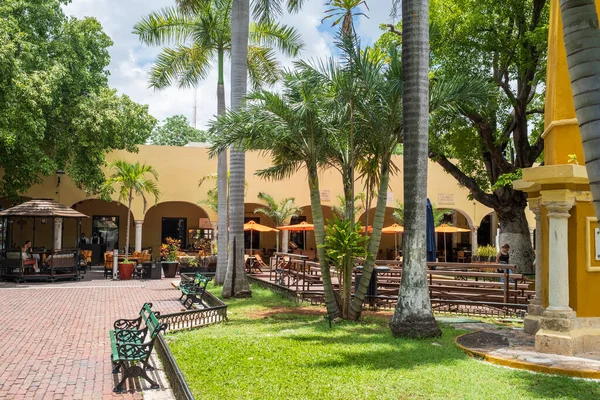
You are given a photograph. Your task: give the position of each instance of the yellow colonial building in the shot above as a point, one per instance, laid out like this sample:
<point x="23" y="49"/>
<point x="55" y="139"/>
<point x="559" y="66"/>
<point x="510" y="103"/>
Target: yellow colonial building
<point x="181" y="212"/>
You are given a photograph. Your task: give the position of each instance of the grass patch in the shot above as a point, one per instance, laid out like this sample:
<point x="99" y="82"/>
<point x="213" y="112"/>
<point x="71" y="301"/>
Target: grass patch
<point x="261" y="354"/>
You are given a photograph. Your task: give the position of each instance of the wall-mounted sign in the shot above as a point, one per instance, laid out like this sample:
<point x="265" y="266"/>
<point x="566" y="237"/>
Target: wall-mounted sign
<point x="445" y="198"/>
<point x="325" y="195"/>
<point x="390" y="198"/>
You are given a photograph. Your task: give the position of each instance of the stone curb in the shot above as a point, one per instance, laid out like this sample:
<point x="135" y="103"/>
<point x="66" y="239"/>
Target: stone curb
<point x="517" y="364"/>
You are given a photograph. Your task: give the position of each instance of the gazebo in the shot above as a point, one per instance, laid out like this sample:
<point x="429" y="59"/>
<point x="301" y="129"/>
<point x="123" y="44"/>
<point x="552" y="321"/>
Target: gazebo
<point x="54" y="263"/>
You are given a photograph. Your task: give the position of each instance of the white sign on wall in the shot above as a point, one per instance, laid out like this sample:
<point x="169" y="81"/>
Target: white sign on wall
<point x="325" y="195"/>
<point x="445" y="198"/>
<point x="390" y="198"/>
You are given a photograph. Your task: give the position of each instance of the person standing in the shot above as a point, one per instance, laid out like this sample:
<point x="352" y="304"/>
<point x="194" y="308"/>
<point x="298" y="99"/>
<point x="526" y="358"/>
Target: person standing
<point x="503" y="258"/>
<point x="83" y="239"/>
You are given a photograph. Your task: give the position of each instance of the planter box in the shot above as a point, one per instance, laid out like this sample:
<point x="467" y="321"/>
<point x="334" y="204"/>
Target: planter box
<point x="169" y="268"/>
<point x="125" y="271"/>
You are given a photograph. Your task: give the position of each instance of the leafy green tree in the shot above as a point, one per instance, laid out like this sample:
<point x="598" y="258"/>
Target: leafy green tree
<point x="56" y="109"/>
<point x="582" y="41"/>
<point x="201" y="32"/>
<point x="504" y="43"/>
<point x="279" y="212"/>
<point x="413" y="316"/>
<point x="176" y="131"/>
<point x="130" y="179"/>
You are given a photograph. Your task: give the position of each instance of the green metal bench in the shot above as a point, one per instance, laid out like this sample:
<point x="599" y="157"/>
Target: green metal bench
<point x="132" y="345"/>
<point x="192" y="291"/>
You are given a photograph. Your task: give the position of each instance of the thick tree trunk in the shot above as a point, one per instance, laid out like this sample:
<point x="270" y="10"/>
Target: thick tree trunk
<point x="378" y="219"/>
<point x="236" y="282"/>
<point x="514" y="230"/>
<point x="222" y="187"/>
<point x="317" y="213"/>
<point x="413" y="316"/>
<point x="582" y="42"/>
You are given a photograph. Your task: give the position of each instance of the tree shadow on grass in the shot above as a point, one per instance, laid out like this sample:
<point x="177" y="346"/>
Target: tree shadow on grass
<point x="558" y="387"/>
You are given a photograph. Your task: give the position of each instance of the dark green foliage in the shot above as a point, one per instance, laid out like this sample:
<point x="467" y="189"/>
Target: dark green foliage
<point x="56" y="110"/>
<point x="176" y="131"/>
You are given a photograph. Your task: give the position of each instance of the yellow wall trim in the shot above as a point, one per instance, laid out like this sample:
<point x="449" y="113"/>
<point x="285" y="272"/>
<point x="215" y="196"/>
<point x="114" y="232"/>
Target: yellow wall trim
<point x="560" y="122"/>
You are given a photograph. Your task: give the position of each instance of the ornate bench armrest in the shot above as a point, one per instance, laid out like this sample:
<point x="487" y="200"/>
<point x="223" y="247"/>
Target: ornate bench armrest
<point x="128" y="323"/>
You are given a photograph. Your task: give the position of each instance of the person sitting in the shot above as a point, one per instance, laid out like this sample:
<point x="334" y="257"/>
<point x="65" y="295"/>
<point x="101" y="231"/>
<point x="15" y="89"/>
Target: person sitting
<point x="28" y="257"/>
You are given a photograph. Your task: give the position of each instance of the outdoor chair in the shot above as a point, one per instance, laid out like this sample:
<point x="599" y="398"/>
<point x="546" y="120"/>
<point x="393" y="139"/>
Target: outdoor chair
<point x="108" y="264"/>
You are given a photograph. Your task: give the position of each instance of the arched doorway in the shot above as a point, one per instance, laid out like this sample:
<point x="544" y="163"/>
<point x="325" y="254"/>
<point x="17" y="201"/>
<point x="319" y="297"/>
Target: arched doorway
<point x="307" y="241"/>
<point x="487" y="231"/>
<point x="259" y="242"/>
<point x="187" y="222"/>
<point x="108" y="221"/>
<point x="388" y="241"/>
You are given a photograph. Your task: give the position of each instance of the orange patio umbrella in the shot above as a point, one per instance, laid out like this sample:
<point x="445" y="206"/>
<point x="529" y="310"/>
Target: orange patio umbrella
<point x="301" y="227"/>
<point x="256" y="227"/>
<point x="394" y="228"/>
<point x="445" y="228"/>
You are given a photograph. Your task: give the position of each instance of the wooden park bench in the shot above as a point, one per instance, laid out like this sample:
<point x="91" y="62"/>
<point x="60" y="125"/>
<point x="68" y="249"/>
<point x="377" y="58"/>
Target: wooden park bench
<point x="131" y="345"/>
<point x="192" y="291"/>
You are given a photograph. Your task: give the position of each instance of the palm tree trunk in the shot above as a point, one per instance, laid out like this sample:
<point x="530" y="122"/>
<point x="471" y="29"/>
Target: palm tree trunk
<point x="128" y="222"/>
<point x="222" y="234"/>
<point x="413" y="316"/>
<point x="236" y="282"/>
<point x="317" y="213"/>
<point x="582" y="42"/>
<point x="378" y="219"/>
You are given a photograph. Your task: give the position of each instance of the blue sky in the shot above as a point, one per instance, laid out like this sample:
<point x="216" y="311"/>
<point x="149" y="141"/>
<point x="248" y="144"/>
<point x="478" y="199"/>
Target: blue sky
<point x="130" y="61"/>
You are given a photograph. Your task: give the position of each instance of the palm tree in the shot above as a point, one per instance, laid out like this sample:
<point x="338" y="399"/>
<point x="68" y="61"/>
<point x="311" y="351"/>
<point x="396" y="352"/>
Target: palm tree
<point x="413" y="316"/>
<point x="131" y="180"/>
<point x="292" y="126"/>
<point x="582" y="41"/>
<point x="279" y="212"/>
<point x="438" y="214"/>
<point x="207" y="25"/>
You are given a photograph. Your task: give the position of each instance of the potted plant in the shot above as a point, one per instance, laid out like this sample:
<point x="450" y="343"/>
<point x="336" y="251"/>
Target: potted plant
<point x="125" y="269"/>
<point x="168" y="253"/>
<point x="188" y="264"/>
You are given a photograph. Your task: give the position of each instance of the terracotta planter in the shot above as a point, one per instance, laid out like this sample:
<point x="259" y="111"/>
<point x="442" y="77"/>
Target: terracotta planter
<point x="169" y="268"/>
<point x="125" y="270"/>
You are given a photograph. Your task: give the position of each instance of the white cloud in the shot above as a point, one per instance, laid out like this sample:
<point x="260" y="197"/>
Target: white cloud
<point x="130" y="61"/>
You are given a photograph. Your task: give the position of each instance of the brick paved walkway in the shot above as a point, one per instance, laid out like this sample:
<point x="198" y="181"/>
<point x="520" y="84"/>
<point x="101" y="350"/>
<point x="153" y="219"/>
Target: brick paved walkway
<point x="54" y="337"/>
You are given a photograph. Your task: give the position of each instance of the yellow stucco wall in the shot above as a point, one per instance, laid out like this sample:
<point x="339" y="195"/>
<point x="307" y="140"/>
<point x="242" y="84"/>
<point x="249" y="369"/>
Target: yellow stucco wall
<point x="180" y="169"/>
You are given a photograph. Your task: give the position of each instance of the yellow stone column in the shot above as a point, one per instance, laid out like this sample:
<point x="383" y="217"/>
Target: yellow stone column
<point x="565" y="312"/>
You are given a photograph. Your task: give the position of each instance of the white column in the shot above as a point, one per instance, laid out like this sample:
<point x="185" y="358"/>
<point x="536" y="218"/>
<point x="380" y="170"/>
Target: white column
<point x="285" y="241"/>
<point x="538" y="253"/>
<point x="58" y="233"/>
<point x="558" y="256"/>
<point x="138" y="235"/>
<point x="474" y="240"/>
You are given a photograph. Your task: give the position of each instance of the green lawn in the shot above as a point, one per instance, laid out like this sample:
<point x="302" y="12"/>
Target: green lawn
<point x="286" y="355"/>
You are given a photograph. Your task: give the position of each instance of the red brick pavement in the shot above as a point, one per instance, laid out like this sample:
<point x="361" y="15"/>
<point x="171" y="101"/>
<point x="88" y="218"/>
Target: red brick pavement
<point x="54" y="337"/>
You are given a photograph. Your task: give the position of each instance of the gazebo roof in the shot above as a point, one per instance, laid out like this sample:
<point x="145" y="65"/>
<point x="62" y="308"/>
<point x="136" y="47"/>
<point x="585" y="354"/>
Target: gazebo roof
<point x="42" y="208"/>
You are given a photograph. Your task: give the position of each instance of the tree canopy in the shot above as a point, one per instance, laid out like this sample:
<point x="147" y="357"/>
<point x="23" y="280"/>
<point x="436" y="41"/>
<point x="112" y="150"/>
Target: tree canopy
<point x="56" y="109"/>
<point x="176" y="131"/>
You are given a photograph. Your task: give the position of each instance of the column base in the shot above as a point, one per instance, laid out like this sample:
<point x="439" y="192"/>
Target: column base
<point x="532" y="321"/>
<point x="561" y="332"/>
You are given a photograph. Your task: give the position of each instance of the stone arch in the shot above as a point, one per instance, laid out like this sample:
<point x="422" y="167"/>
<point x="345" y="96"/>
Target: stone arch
<point x="175" y="219"/>
<point x="487" y="230"/>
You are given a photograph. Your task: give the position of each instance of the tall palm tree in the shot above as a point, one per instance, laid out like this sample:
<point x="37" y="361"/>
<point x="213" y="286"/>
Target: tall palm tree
<point x="279" y="212"/>
<point x="292" y="126"/>
<point x="582" y="41"/>
<point x="202" y="33"/>
<point x="413" y="316"/>
<point x="264" y="11"/>
<point x="131" y="180"/>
